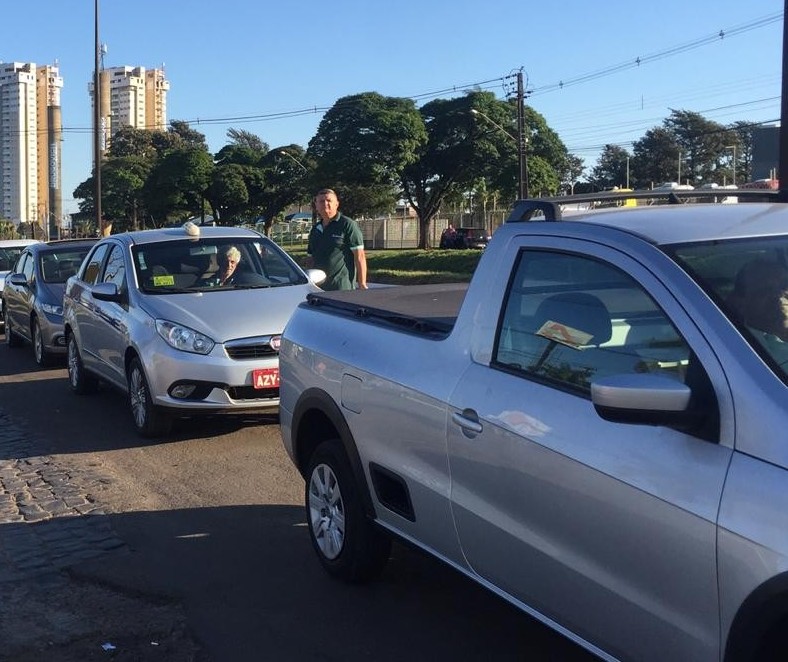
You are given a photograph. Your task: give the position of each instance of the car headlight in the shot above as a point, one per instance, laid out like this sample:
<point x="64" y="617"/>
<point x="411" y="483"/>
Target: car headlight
<point x="52" y="309"/>
<point x="183" y="338"/>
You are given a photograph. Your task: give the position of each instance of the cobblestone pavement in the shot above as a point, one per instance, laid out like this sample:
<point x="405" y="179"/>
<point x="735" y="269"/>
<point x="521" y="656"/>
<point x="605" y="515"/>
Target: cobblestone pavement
<point x="51" y="521"/>
<point x="58" y="500"/>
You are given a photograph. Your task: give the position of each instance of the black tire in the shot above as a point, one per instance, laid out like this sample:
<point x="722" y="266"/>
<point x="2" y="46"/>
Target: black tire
<point x="11" y="338"/>
<point x="42" y="356"/>
<point x="149" y="420"/>
<point x="80" y="380"/>
<point x="347" y="543"/>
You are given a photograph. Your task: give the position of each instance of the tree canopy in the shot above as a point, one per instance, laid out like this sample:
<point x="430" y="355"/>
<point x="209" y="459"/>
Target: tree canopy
<point x="379" y="151"/>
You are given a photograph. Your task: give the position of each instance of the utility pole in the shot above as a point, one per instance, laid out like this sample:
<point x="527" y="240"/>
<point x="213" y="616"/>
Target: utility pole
<point x="782" y="174"/>
<point x="522" y="140"/>
<point x="96" y="124"/>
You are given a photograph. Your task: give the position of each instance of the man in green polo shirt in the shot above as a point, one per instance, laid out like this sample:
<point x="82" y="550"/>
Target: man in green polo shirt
<point x="336" y="245"/>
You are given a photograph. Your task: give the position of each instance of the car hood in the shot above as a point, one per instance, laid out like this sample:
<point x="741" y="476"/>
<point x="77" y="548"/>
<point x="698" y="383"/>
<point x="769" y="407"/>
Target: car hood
<point x="52" y="293"/>
<point x="224" y="315"/>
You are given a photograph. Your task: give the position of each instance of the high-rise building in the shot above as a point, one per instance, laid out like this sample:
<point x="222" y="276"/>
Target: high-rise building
<point x="130" y="96"/>
<point x="30" y="135"/>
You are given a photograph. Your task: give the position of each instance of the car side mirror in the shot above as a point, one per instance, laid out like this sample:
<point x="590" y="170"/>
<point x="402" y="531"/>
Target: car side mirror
<point x="17" y="279"/>
<point x="316" y="276"/>
<point x="106" y="292"/>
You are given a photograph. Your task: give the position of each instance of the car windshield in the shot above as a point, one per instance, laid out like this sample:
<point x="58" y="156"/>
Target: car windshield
<point x="748" y="278"/>
<point x="57" y="266"/>
<point x="8" y="257"/>
<point x="213" y="264"/>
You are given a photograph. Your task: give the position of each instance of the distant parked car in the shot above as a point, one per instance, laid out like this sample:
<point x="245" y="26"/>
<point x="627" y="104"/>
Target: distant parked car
<point x="10" y="250"/>
<point x="472" y="238"/>
<point x="33" y="295"/>
<point x="158" y="315"/>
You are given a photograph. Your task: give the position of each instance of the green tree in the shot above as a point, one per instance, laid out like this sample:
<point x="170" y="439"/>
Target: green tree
<point x="702" y="144"/>
<point x="572" y="171"/>
<point x="361" y="146"/>
<point x="611" y="168"/>
<point x="178" y="185"/>
<point x="655" y="158"/>
<point x="8" y="229"/>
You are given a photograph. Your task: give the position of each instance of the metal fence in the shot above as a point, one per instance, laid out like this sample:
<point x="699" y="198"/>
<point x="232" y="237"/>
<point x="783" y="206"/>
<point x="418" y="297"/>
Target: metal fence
<point x="403" y="232"/>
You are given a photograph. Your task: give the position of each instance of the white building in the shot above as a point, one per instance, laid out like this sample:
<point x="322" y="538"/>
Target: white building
<point x="18" y="143"/>
<point x="131" y="96"/>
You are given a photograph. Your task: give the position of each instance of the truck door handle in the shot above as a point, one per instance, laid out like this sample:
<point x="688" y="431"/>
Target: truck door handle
<point x="468" y="420"/>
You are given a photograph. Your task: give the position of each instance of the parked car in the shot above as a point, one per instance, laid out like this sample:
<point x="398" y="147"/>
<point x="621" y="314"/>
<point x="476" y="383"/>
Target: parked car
<point x="472" y="238"/>
<point x="10" y="250"/>
<point x="153" y="314"/>
<point x="593" y="430"/>
<point x="33" y="295"/>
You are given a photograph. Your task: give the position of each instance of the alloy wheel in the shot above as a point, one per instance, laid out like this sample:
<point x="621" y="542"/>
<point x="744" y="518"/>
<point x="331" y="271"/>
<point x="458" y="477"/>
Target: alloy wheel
<point x="326" y="511"/>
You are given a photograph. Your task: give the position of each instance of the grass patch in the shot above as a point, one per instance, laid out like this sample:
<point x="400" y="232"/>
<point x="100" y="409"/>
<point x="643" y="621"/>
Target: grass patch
<point x="414" y="266"/>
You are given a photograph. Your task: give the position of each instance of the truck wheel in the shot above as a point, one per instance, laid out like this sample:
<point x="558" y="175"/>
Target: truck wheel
<point x="11" y="339"/>
<point x="347" y="543"/>
<point x="149" y="419"/>
<point x="80" y="380"/>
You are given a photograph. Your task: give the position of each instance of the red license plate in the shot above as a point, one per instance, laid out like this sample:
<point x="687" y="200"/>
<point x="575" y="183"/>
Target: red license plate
<point x="265" y="378"/>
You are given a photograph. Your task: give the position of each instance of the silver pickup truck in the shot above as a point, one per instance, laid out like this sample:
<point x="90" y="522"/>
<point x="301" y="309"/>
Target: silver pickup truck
<point x="594" y="429"/>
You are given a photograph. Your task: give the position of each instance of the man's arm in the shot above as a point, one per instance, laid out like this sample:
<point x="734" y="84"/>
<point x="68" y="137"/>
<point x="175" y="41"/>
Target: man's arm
<point x="360" y="259"/>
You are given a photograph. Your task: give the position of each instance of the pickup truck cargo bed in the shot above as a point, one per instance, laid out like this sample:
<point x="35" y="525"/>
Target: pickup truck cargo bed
<point x="429" y="310"/>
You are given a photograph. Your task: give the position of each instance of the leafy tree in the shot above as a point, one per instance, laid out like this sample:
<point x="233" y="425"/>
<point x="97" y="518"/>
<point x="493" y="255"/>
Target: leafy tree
<point x="188" y="137"/>
<point x="8" y="229"/>
<point x="122" y="182"/>
<point x="178" y="185"/>
<point x="702" y="144"/>
<point x="611" y="168"/>
<point x="228" y="193"/>
<point x="243" y="138"/>
<point x="572" y="171"/>
<point x="655" y="158"/>
<point x="361" y="146"/>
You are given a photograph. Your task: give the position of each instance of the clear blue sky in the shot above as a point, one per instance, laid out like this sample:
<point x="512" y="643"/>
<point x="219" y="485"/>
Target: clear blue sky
<point x="238" y="58"/>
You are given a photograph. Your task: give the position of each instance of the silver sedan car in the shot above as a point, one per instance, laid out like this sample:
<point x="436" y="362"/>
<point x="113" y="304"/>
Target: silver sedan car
<point x="183" y="320"/>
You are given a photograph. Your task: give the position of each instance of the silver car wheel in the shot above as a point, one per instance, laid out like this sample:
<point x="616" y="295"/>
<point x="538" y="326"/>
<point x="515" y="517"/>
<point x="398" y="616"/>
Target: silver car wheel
<point x="326" y="511"/>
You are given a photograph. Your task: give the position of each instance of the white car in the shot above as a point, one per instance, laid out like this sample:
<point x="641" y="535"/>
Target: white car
<point x="153" y="314"/>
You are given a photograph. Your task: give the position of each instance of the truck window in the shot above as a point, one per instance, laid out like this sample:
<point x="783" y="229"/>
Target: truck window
<point x="569" y="319"/>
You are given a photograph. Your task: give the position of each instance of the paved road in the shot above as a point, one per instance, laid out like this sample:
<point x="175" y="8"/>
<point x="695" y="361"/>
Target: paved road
<point x="195" y="548"/>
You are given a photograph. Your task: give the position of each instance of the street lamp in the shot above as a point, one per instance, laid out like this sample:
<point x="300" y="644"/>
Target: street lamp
<point x="523" y="170"/>
<point x="293" y="158"/>
<point x="733" y="147"/>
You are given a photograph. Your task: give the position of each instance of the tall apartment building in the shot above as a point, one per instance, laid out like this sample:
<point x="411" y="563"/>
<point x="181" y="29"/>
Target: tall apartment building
<point x="130" y="96"/>
<point x="30" y="135"/>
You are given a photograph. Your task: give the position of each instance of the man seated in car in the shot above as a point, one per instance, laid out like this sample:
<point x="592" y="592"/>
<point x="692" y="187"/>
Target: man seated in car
<point x="228" y="262"/>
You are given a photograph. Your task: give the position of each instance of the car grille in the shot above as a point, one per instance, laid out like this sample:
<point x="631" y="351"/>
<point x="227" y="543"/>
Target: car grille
<point x="251" y="393"/>
<point x="250" y="348"/>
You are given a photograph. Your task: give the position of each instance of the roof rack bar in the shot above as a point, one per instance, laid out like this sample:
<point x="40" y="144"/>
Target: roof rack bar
<point x="525" y="209"/>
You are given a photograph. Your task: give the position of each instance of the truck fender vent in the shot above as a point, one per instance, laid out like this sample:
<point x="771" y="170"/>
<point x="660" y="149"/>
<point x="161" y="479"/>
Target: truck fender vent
<point x="392" y="491"/>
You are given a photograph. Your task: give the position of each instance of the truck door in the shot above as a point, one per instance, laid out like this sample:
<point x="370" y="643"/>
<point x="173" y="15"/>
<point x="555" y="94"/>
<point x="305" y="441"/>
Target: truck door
<point x="607" y="529"/>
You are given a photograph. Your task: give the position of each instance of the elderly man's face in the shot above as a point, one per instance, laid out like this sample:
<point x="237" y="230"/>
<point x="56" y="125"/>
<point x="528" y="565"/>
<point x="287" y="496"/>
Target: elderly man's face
<point x="326" y="205"/>
<point x="228" y="265"/>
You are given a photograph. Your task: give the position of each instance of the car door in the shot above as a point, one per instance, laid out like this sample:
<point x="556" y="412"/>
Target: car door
<point x="18" y="298"/>
<point x="606" y="529"/>
<point x="111" y="324"/>
<point x="85" y="312"/>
